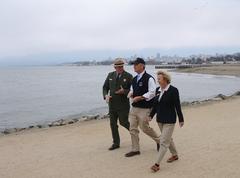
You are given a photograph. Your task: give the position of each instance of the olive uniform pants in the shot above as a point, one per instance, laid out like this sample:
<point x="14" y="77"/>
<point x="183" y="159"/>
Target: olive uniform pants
<point x="122" y="116"/>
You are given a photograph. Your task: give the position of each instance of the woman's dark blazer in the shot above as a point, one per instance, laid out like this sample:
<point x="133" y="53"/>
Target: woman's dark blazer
<point x="168" y="107"/>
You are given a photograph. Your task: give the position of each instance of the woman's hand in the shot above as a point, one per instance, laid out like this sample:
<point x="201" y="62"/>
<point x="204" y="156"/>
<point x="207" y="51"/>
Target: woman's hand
<point x="181" y="124"/>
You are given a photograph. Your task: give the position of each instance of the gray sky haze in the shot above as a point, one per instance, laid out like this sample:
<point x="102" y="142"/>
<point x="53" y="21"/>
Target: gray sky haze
<point x="48" y="30"/>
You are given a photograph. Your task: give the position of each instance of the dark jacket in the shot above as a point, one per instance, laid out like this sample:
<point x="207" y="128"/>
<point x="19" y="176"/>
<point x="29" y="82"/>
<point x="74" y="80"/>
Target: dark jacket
<point x="112" y="84"/>
<point x="168" y="107"/>
<point x="140" y="88"/>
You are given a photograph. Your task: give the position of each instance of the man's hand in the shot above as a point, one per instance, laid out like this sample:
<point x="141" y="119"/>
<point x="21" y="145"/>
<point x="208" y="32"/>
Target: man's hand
<point x="137" y="98"/>
<point x="120" y="91"/>
<point x="181" y="124"/>
<point x="130" y="94"/>
<point x="107" y="98"/>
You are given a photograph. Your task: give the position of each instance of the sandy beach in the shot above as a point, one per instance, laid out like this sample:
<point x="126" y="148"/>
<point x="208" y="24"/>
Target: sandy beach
<point x="225" y="69"/>
<point x="208" y="146"/>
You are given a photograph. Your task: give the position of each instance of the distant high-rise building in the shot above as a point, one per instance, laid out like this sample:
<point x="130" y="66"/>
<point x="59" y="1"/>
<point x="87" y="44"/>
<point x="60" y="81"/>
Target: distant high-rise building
<point x="158" y="56"/>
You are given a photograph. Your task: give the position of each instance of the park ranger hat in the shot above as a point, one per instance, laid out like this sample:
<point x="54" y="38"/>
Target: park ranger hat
<point x="119" y="62"/>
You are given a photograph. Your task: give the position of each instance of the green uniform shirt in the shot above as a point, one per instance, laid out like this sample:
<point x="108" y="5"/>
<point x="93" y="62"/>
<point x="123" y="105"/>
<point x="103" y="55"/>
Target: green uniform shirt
<point x="112" y="84"/>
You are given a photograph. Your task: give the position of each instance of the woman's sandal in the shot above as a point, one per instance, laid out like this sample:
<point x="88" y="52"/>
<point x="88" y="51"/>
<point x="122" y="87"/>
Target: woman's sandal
<point x="173" y="158"/>
<point x="155" y="168"/>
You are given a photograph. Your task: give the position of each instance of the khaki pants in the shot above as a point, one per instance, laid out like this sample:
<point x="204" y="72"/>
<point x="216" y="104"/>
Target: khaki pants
<point x="166" y="141"/>
<point x="137" y="117"/>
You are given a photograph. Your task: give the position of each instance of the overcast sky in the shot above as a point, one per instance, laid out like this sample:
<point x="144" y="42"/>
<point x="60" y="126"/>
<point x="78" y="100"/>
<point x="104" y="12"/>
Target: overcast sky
<point x="37" y="27"/>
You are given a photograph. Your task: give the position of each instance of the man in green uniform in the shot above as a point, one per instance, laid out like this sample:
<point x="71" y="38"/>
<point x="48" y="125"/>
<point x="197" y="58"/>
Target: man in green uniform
<point x="115" y="90"/>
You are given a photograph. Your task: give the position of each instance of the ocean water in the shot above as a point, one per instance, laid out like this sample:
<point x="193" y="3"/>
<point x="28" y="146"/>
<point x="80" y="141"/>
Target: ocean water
<point x="35" y="95"/>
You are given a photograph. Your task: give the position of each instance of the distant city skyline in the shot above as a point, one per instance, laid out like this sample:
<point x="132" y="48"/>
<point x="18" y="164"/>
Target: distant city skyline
<point x="46" y="32"/>
<point x="59" y="58"/>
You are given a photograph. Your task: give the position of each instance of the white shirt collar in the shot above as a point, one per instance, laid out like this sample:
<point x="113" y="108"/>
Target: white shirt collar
<point x="165" y="89"/>
<point x="141" y="74"/>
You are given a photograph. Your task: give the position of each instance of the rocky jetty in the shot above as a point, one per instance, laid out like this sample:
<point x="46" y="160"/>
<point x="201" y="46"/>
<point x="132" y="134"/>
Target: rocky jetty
<point x="57" y="123"/>
<point x="218" y="97"/>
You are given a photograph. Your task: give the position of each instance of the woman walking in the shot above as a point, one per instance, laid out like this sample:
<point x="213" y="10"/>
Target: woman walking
<point x="166" y="106"/>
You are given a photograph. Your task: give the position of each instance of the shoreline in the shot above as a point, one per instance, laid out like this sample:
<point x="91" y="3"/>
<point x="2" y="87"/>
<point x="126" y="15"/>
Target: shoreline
<point x="224" y="69"/>
<point x="79" y="118"/>
<point x="70" y="119"/>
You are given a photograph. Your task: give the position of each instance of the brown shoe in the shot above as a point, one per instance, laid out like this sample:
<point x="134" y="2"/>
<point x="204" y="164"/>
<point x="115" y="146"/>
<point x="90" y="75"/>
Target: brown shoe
<point x="173" y="158"/>
<point x="132" y="153"/>
<point x="155" y="168"/>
